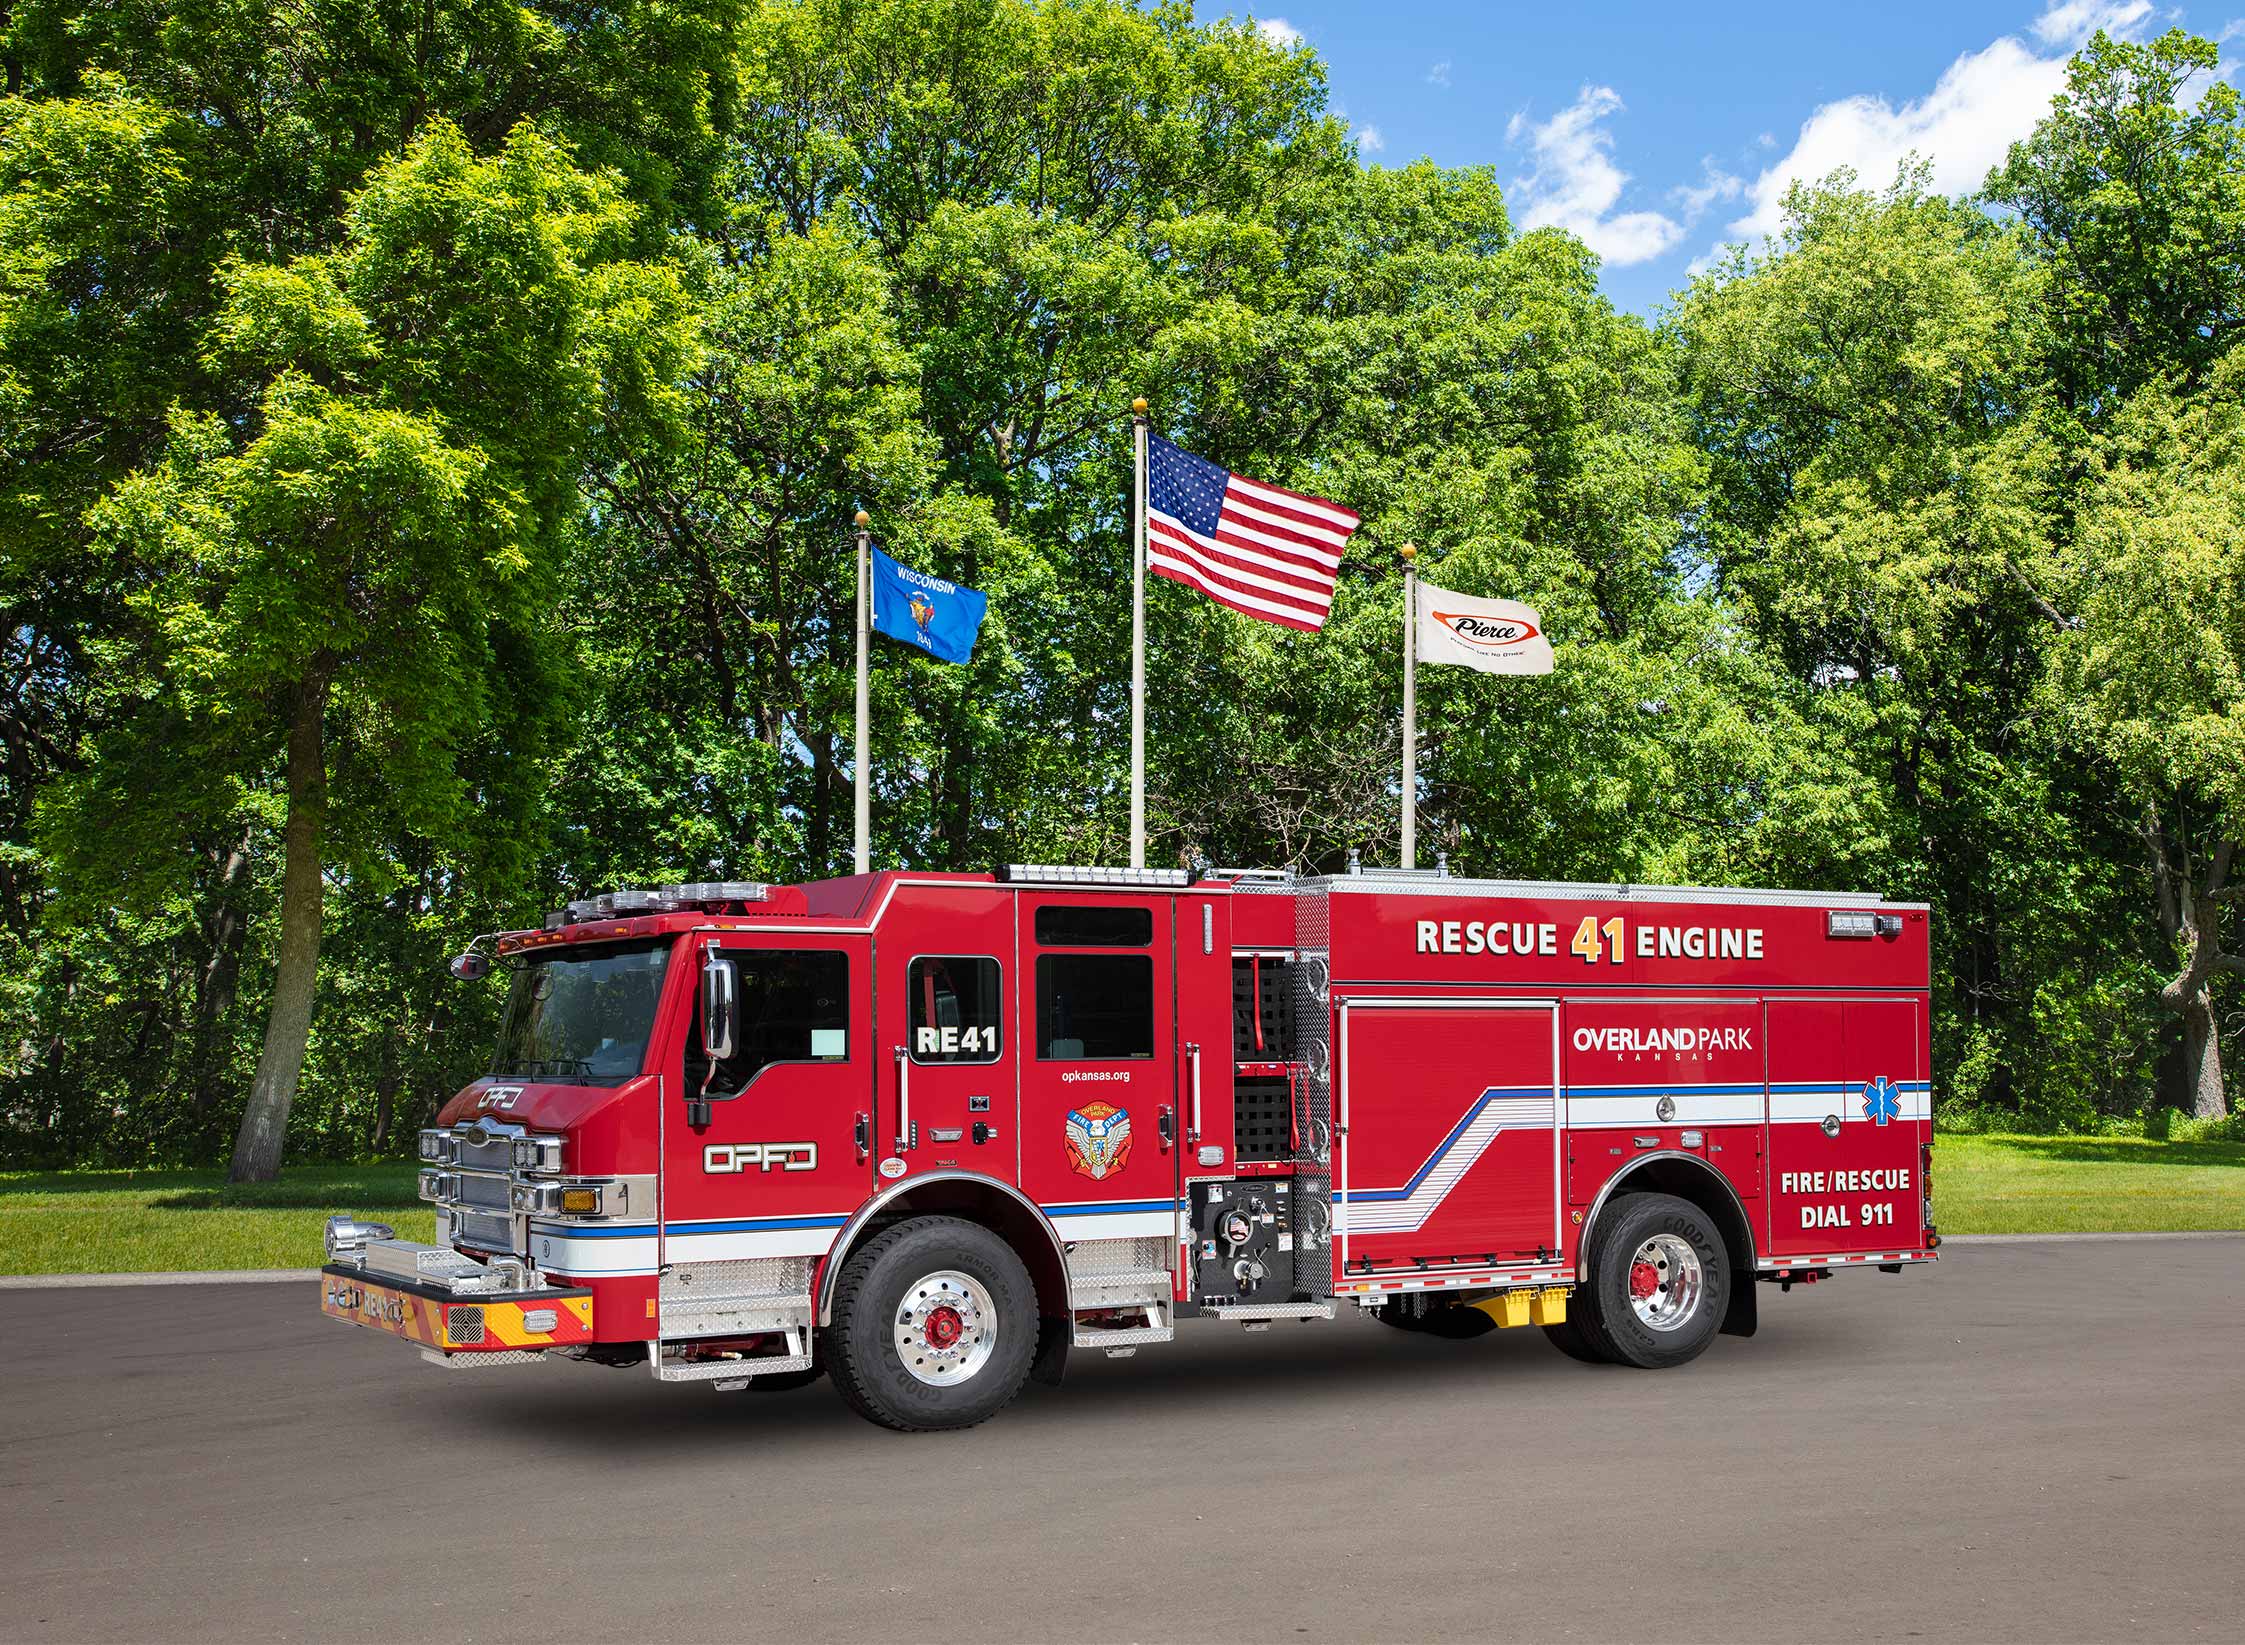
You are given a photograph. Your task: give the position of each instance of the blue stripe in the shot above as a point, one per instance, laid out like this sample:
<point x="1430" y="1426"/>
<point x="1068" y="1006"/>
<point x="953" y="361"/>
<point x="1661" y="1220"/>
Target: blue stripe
<point x="1495" y="1091"/>
<point x="561" y="1230"/>
<point x="1664" y="1090"/>
<point x="1811" y="1086"/>
<point x="753" y="1225"/>
<point x="1099" y="1208"/>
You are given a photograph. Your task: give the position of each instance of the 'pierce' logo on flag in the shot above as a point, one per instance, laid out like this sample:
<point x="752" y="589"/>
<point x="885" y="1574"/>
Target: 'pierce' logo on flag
<point x="1260" y="549"/>
<point x="1494" y="636"/>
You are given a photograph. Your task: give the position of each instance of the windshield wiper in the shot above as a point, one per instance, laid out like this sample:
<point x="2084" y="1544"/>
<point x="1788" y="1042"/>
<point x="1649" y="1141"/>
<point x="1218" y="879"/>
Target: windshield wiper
<point x="543" y="1068"/>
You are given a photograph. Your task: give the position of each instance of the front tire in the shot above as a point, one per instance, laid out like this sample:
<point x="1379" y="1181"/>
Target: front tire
<point x="935" y="1325"/>
<point x="1660" y="1282"/>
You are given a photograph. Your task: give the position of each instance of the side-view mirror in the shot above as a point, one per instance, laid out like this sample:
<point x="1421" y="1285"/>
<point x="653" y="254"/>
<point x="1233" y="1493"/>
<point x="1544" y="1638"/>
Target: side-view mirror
<point x="470" y="966"/>
<point x="720" y="1007"/>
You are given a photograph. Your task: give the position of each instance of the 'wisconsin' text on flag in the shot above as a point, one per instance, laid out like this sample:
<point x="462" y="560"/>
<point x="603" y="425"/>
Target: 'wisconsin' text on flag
<point x="942" y="618"/>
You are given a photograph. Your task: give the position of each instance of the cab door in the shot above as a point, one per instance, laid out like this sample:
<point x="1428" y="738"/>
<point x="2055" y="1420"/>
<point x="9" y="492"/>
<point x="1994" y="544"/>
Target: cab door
<point x="1101" y="1068"/>
<point x="776" y="1168"/>
<point x="946" y="1041"/>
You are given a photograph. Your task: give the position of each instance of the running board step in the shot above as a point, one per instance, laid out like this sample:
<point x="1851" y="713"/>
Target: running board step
<point x="730" y="1370"/>
<point x="1112" y="1340"/>
<point x="734" y="1316"/>
<point x="1273" y="1310"/>
<point x="1120" y="1341"/>
<point x="1121" y="1290"/>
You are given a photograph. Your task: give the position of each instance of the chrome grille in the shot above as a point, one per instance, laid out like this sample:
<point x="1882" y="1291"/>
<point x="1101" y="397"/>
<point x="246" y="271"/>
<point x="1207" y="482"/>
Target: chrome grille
<point x="483" y="1230"/>
<point x="464" y="1324"/>
<point x="481" y="1151"/>
<point x="482" y="1193"/>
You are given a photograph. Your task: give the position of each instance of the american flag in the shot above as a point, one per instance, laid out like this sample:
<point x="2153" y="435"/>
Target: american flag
<point x="1260" y="549"/>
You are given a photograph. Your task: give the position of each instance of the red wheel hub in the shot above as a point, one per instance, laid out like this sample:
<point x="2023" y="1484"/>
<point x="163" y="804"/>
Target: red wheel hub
<point x="944" y="1327"/>
<point x="1644" y="1280"/>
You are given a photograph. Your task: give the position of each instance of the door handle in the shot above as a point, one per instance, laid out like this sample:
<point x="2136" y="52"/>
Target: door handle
<point x="1192" y="1056"/>
<point x="1165" y="1126"/>
<point x="863" y="1134"/>
<point x="904" y="1137"/>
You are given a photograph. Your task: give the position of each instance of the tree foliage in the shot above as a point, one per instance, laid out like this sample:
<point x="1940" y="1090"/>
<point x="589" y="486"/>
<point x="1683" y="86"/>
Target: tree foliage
<point x="428" y="438"/>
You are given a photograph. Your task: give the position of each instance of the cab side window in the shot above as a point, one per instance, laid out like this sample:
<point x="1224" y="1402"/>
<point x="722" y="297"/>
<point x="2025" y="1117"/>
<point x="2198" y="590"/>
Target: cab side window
<point x="794" y="1007"/>
<point x="1095" y="1007"/>
<point x="955" y="1008"/>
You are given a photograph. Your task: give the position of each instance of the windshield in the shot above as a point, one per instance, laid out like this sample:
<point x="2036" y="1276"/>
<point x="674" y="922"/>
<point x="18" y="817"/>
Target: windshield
<point x="582" y="1018"/>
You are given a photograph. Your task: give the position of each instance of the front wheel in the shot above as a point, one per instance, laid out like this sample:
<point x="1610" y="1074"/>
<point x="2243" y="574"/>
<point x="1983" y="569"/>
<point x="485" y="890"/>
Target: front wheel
<point x="935" y="1324"/>
<point x="1660" y="1281"/>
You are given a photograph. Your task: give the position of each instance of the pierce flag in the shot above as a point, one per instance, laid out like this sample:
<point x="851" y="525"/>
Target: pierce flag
<point x="1494" y="636"/>
<point x="942" y="618"/>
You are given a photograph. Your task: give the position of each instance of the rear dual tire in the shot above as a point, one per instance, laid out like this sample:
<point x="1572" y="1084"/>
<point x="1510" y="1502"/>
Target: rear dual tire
<point x="1659" y="1284"/>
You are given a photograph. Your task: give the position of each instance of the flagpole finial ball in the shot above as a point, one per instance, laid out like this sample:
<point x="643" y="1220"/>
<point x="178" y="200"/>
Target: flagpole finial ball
<point x="1408" y="552"/>
<point x="1138" y="408"/>
<point x="863" y="519"/>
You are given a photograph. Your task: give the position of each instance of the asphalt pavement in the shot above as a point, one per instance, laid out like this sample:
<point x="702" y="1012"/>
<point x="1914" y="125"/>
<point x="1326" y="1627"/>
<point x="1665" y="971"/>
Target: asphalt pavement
<point x="2028" y="1442"/>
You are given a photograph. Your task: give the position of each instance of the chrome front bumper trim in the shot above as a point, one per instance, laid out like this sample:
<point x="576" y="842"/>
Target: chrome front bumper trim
<point x="440" y="1266"/>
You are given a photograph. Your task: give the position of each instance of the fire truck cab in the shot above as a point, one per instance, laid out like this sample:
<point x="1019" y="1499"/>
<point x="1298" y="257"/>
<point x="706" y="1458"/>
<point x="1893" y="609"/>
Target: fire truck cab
<point x="929" y="1134"/>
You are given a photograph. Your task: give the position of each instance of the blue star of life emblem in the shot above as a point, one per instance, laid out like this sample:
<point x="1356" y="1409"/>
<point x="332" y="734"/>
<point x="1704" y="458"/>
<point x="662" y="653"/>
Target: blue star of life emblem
<point x="1881" y="1102"/>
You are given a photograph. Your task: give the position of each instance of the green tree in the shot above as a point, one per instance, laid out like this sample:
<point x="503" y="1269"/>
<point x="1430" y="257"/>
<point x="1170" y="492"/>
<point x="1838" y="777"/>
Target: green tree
<point x="365" y="570"/>
<point x="2150" y="678"/>
<point x="1866" y="388"/>
<point x="2134" y="189"/>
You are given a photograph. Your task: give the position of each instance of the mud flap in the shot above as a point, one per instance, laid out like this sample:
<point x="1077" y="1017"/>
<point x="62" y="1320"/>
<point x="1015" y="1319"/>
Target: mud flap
<point x="1053" y="1338"/>
<point x="1743" y="1316"/>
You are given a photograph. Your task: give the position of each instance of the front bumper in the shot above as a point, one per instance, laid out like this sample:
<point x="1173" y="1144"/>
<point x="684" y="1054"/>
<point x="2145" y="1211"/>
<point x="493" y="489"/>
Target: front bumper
<point x="446" y="1316"/>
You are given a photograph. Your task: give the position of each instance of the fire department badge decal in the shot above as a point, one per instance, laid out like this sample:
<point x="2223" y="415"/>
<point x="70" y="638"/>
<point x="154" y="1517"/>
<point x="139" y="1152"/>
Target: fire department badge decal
<point x="1098" y="1140"/>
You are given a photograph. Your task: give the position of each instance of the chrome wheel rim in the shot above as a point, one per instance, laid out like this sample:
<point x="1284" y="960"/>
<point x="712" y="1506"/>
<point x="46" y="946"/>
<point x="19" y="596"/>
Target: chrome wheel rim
<point x="1666" y="1282"/>
<point x="946" y="1327"/>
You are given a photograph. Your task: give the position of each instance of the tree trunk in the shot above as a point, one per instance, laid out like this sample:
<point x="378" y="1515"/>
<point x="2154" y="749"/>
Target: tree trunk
<point x="288" y="1020"/>
<point x="386" y="1082"/>
<point x="2202" y="1056"/>
<point x="215" y="983"/>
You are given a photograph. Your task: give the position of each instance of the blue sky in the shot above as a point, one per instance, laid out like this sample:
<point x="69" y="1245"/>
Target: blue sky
<point x="1659" y="132"/>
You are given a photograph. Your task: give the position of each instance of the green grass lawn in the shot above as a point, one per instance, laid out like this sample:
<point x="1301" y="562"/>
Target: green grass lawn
<point x="2045" y="1185"/>
<point x="116" y="1222"/>
<point x="82" y="1222"/>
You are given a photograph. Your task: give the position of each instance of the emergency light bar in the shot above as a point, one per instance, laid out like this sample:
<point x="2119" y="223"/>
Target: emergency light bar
<point x="1045" y="873"/>
<point x="1854" y="923"/>
<point x="663" y="899"/>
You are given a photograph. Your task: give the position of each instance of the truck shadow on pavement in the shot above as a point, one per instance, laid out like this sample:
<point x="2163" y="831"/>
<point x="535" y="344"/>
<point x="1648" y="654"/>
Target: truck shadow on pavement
<point x="1216" y="1373"/>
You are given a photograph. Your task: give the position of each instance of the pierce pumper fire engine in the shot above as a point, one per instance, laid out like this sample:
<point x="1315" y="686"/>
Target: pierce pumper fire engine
<point x="932" y="1134"/>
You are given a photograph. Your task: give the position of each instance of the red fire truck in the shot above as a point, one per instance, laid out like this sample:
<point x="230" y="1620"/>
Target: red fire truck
<point x="929" y="1134"/>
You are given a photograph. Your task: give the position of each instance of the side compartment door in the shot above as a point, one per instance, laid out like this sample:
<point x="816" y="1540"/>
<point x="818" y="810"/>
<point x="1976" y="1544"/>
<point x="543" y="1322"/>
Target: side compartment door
<point x="777" y="1170"/>
<point x="1101" y="1068"/>
<point x="1849" y="1115"/>
<point x="1449" y="1142"/>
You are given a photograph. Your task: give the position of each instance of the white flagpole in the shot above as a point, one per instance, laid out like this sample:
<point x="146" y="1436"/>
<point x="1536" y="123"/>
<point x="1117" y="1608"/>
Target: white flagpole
<point x="1410" y="706"/>
<point x="864" y="794"/>
<point x="1138" y="647"/>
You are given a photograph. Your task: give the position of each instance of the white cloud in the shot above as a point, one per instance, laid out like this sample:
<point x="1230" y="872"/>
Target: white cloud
<point x="1575" y="185"/>
<point x="1279" y="32"/>
<point x="1984" y="102"/>
<point x="2068" y="23"/>
<point x="1369" y="139"/>
<point x="1714" y="184"/>
<point x="1439" y="75"/>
